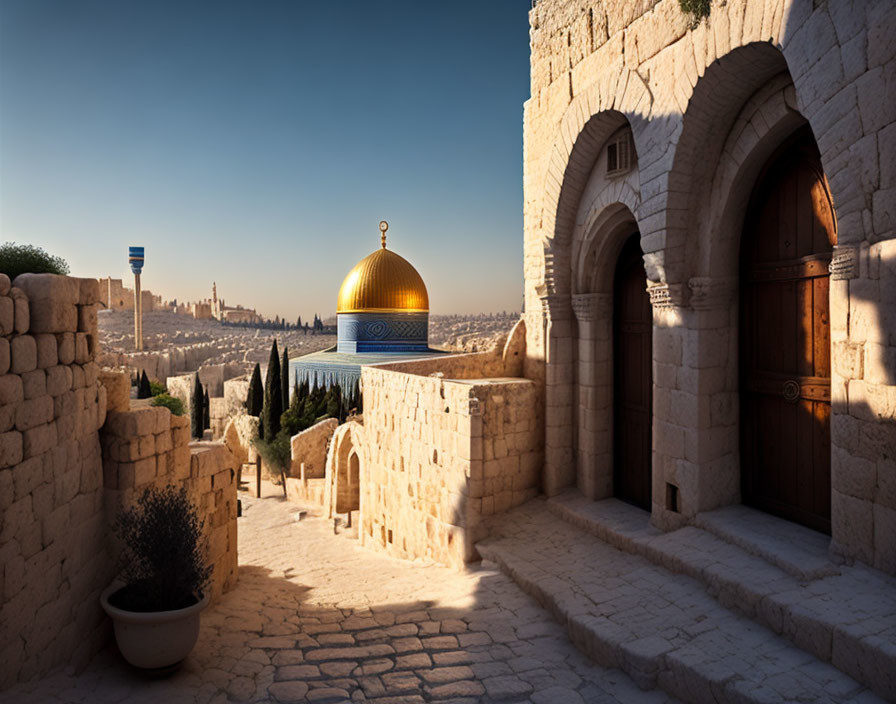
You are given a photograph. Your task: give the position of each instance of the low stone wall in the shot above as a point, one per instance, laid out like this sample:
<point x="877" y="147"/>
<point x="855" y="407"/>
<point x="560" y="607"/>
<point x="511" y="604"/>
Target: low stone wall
<point x="148" y="447"/>
<point x="440" y="456"/>
<point x="506" y="361"/>
<point x="236" y="391"/>
<point x="308" y="450"/>
<point x="160" y="364"/>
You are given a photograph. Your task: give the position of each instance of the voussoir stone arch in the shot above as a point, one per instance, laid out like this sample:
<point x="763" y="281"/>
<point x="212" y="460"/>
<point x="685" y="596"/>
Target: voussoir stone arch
<point x="614" y="207"/>
<point x="763" y="124"/>
<point x="588" y="121"/>
<point x="716" y="99"/>
<point x="348" y="439"/>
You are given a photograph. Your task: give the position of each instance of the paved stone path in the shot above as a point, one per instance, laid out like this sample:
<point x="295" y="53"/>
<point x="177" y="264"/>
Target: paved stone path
<point x="317" y="618"/>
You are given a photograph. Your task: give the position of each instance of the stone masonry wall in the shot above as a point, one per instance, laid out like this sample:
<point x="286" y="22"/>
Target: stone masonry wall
<point x="53" y="560"/>
<point x="148" y="447"/>
<point x="707" y="104"/>
<point x="308" y="451"/>
<point x="438" y="457"/>
<point x="57" y="499"/>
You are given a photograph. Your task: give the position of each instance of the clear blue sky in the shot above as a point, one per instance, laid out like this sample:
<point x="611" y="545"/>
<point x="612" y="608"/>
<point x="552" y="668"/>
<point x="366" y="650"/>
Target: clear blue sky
<point x="259" y="143"/>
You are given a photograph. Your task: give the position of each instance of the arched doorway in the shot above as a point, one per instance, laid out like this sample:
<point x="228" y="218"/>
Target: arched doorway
<point x="632" y="377"/>
<point x="785" y="367"/>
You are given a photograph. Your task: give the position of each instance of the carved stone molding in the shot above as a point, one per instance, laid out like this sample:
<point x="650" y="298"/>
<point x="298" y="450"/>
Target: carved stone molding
<point x="665" y="295"/>
<point x="556" y="306"/>
<point x="589" y="307"/>
<point x="708" y="293"/>
<point x="845" y="263"/>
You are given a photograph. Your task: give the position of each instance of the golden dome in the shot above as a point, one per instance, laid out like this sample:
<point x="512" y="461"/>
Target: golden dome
<point x="382" y="282"/>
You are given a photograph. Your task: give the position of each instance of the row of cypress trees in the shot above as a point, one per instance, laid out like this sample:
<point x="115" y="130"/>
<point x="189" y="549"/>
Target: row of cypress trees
<point x="271" y="402"/>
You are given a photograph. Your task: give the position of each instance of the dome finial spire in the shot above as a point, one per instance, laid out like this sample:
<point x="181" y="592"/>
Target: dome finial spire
<point x="383" y="227"/>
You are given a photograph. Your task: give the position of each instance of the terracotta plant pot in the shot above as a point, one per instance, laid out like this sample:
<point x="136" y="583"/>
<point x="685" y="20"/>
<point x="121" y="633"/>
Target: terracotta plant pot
<point x="154" y="639"/>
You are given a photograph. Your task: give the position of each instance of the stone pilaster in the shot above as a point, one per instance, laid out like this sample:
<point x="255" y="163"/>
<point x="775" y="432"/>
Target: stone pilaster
<point x="559" y="465"/>
<point x="594" y="466"/>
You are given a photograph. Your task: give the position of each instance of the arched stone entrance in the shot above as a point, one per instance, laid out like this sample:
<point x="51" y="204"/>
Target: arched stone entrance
<point x="785" y="362"/>
<point x="632" y="378"/>
<point x="345" y="462"/>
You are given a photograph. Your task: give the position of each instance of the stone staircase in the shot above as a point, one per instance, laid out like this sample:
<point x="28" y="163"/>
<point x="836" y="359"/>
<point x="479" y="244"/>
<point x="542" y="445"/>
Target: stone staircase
<point x="740" y="607"/>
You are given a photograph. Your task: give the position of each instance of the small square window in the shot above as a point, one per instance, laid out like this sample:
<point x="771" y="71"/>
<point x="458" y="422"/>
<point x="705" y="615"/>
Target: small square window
<point x="619" y="154"/>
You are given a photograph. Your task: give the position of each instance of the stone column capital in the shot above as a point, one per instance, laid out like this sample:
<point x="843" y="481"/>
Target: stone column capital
<point x="844" y="262"/>
<point x="666" y="295"/>
<point x="556" y="306"/>
<point x="708" y="292"/>
<point x="589" y="307"/>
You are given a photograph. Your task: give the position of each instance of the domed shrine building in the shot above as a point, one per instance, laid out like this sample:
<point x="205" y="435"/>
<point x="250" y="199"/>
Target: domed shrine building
<point x="382" y="315"/>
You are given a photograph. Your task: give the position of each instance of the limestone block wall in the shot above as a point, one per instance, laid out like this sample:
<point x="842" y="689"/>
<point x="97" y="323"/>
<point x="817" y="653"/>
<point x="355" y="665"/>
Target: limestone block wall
<point x="53" y="560"/>
<point x="160" y="364"/>
<point x="58" y="496"/>
<point x="863" y="427"/>
<point x="435" y="458"/>
<point x="499" y="362"/>
<point x="148" y="447"/>
<point x="236" y="391"/>
<point x="308" y="451"/>
<point x="707" y="104"/>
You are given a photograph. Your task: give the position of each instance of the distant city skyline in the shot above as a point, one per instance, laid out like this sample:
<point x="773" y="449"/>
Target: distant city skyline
<point x="259" y="145"/>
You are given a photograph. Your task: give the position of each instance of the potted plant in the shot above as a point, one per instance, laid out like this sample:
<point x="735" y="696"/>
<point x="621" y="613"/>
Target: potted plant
<point x="156" y="602"/>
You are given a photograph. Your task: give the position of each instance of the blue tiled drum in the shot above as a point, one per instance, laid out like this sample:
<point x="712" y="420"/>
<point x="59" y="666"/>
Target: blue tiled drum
<point x="382" y="332"/>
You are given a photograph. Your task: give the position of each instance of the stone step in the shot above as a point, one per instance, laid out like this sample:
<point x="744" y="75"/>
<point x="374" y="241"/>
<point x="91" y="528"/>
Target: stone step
<point x="772" y="571"/>
<point x="660" y="627"/>
<point x="797" y="550"/>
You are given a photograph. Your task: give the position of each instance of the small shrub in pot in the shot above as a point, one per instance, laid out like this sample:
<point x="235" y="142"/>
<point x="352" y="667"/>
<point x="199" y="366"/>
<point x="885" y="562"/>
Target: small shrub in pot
<point x="165" y="575"/>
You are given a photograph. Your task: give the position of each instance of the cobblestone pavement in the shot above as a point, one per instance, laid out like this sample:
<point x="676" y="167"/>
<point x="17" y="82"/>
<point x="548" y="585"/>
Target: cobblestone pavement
<point x="317" y="618"/>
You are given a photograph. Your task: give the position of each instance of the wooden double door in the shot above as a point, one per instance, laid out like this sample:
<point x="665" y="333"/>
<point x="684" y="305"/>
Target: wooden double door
<point x="632" y="377"/>
<point x="785" y="365"/>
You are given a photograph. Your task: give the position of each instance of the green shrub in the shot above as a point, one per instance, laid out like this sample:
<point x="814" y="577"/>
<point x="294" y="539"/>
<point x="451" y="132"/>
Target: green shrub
<point x="164" y="560"/>
<point x="175" y="405"/>
<point x="157" y="388"/>
<point x="697" y="9"/>
<point x="275" y="453"/>
<point x="18" y="259"/>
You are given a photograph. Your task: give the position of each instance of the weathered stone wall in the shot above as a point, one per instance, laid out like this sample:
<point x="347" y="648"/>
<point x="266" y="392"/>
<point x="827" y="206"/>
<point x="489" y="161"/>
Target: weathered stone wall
<point x="308" y="449"/>
<point x="161" y="364"/>
<point x="236" y="391"/>
<point x="435" y="458"/>
<point x="148" y="447"/>
<point x="57" y="497"/>
<point x="707" y="105"/>
<point x="52" y="529"/>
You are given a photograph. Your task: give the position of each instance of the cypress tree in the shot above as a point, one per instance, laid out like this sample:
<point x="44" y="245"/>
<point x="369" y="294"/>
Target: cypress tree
<point x="284" y="379"/>
<point x="255" y="397"/>
<point x="196" y="408"/>
<point x="273" y="396"/>
<point x="206" y="412"/>
<point x="333" y="402"/>
<point x="143" y="388"/>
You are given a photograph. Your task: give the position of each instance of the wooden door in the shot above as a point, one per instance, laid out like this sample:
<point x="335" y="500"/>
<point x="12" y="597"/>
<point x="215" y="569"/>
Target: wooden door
<point x="788" y="238"/>
<point x="632" y="377"/>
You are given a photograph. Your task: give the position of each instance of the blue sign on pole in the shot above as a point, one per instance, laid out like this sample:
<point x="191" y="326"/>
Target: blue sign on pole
<point x="135" y="257"/>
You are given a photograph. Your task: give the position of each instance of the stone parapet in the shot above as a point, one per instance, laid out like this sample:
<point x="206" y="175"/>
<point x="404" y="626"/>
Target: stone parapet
<point x="438" y="456"/>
